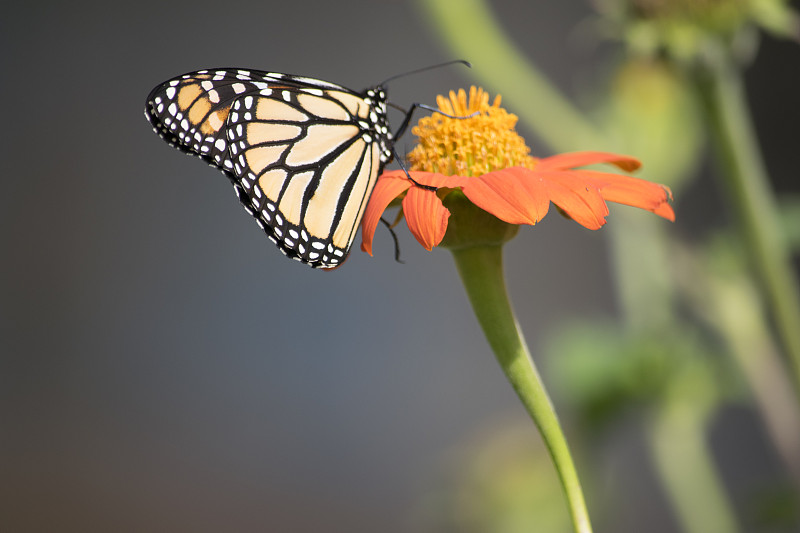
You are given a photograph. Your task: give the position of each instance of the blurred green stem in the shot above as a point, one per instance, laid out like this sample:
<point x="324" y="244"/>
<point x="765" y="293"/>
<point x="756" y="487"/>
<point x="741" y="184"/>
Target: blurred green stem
<point x="481" y="271"/>
<point x="724" y="294"/>
<point x="737" y="311"/>
<point x="721" y="89"/>
<point x="645" y="288"/>
<point x="685" y="464"/>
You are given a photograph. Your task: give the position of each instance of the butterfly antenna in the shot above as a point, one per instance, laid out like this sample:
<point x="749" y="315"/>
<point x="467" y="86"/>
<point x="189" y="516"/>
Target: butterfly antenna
<point x="431" y="67"/>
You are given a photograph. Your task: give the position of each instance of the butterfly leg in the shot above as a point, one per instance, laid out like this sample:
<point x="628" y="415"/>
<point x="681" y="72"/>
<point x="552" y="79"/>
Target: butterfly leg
<point x="412" y="180"/>
<point x="394" y="237"/>
<point x="407" y="119"/>
<point x="402" y="129"/>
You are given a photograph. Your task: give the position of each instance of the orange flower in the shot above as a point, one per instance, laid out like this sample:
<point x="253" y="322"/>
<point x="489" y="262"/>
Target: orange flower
<point x="484" y="158"/>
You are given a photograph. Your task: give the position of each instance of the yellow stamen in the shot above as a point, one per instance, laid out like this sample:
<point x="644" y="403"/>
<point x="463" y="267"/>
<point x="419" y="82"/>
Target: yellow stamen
<point x="468" y="146"/>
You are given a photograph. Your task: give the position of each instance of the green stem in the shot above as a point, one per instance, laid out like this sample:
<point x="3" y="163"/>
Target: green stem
<point x="685" y="464"/>
<point x="747" y="182"/>
<point x="738" y="313"/>
<point x="723" y="293"/>
<point x="481" y="270"/>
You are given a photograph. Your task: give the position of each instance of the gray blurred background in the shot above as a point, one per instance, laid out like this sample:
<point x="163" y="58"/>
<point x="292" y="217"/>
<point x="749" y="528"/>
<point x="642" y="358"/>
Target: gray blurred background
<point x="164" y="368"/>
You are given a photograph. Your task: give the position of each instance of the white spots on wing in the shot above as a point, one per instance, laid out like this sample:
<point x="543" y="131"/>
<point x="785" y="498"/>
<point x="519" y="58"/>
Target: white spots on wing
<point x="317" y="83"/>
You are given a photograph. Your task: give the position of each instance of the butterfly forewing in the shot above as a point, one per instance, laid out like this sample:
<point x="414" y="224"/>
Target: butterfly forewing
<point x="303" y="154"/>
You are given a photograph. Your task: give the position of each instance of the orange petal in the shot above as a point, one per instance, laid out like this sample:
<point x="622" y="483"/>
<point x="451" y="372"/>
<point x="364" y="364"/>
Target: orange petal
<point x="632" y="191"/>
<point x="577" y="197"/>
<point x="665" y="211"/>
<point x="390" y="185"/>
<point x="426" y="216"/>
<point x="513" y="195"/>
<point x="582" y="159"/>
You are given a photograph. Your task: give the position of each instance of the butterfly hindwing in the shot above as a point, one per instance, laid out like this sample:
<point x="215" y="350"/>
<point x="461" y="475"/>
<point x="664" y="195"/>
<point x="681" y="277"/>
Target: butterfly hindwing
<point x="303" y="154"/>
<point x="307" y="166"/>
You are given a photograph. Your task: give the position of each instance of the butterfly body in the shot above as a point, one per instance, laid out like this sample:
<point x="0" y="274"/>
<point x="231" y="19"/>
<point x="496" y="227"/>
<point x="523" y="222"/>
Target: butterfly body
<point x="303" y="154"/>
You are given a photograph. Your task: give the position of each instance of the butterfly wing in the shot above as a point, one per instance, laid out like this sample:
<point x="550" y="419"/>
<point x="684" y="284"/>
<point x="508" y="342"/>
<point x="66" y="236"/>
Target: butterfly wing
<point x="303" y="154"/>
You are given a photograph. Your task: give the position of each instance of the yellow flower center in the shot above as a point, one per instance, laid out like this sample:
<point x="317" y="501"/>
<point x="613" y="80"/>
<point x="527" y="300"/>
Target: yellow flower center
<point x="468" y="146"/>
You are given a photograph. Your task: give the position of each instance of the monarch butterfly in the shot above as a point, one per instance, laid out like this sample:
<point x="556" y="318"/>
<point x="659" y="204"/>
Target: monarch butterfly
<point x="303" y="154"/>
